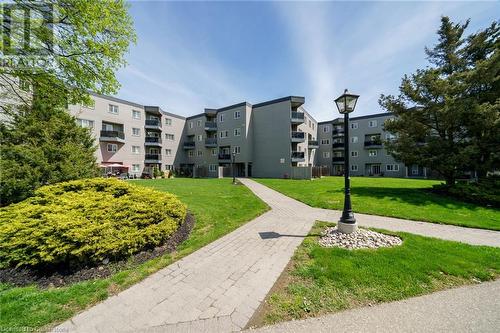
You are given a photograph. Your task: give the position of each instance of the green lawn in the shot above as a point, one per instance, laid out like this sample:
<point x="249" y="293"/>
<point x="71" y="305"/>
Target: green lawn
<point x="396" y="197"/>
<point x="322" y="280"/>
<point x="219" y="207"/>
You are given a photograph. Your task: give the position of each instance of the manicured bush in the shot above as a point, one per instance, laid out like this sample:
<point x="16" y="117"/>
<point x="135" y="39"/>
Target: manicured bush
<point x="84" y="222"/>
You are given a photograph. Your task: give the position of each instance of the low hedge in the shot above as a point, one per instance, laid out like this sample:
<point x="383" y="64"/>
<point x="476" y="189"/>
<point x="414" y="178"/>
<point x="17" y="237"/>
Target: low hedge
<point x="85" y="222"/>
<point x="485" y="193"/>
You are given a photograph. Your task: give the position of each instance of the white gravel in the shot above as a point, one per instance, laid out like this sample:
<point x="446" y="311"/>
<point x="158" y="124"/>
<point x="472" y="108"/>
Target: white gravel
<point x="360" y="239"/>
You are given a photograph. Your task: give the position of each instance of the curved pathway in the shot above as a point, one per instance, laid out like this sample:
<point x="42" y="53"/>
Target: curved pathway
<point x="219" y="287"/>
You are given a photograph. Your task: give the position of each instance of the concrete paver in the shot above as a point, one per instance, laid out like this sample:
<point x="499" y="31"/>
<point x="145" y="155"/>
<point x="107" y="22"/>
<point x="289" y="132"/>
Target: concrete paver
<point x="219" y="287"/>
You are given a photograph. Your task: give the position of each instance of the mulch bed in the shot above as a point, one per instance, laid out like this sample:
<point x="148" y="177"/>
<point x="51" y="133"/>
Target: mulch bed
<point x="64" y="276"/>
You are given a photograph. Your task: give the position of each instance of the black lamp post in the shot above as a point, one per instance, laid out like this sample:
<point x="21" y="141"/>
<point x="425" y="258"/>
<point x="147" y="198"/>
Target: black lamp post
<point x="346" y="104"/>
<point x="232" y="166"/>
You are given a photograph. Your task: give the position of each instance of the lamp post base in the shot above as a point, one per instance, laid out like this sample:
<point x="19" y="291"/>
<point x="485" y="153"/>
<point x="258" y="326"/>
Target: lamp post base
<point x="347" y="228"/>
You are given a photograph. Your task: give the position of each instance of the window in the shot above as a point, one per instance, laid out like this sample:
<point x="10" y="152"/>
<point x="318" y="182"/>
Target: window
<point x="325" y="141"/>
<point x="200" y="137"/>
<point x="372" y="153"/>
<point x="414" y="169"/>
<point x="326" y="128"/>
<point x="169" y="136"/>
<point x="372" y="123"/>
<point x="237" y="114"/>
<point x="313" y="126"/>
<point x="190" y="124"/>
<point x="199" y="153"/>
<point x="326" y="154"/>
<point x="354" y="125"/>
<point x="354" y="153"/>
<point x="221" y="117"/>
<point x="354" y="139"/>
<point x="113" y="109"/>
<point x="237" y="131"/>
<point x="237" y="149"/>
<point x="169" y="167"/>
<point x="198" y="123"/>
<point x="214" y="151"/>
<point x="309" y="122"/>
<point x="136" y="167"/>
<point x="354" y="167"/>
<point x="112" y="147"/>
<point x="168" y="121"/>
<point x="392" y="167"/>
<point x="191" y="153"/>
<point x="85" y="123"/>
<point x="136" y="114"/>
<point x="168" y="152"/>
<point x="136" y="131"/>
<point x="212" y="167"/>
<point x="136" y="150"/>
<point x="223" y="134"/>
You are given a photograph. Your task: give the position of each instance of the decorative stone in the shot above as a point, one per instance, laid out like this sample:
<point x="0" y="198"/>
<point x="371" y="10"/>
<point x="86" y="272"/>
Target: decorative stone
<point x="359" y="239"/>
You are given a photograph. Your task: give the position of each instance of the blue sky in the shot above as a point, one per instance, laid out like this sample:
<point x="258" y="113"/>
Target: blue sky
<point x="192" y="55"/>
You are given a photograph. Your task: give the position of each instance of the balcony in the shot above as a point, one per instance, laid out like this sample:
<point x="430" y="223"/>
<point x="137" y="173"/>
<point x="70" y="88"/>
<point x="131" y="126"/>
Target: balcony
<point x="189" y="145"/>
<point x="297" y="117"/>
<point x="312" y="144"/>
<point x="211" y="142"/>
<point x="337" y="159"/>
<point x="152" y="158"/>
<point x="298" y="137"/>
<point x="153" y="124"/>
<point x="338" y="145"/>
<point x="338" y="132"/>
<point x="373" y="144"/>
<point x="112" y="136"/>
<point x="210" y="126"/>
<point x="153" y="141"/>
<point x="298" y="156"/>
<point x="225" y="157"/>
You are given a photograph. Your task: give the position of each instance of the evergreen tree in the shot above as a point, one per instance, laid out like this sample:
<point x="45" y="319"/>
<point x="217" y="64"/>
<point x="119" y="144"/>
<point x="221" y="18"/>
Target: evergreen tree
<point x="447" y="115"/>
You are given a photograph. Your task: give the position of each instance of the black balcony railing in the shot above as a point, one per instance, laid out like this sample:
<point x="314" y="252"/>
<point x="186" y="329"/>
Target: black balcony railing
<point x="338" y="159"/>
<point x="210" y="125"/>
<point x="113" y="134"/>
<point x="373" y="143"/>
<point x="224" y="156"/>
<point x="298" y="115"/>
<point x="153" y="139"/>
<point x="313" y="143"/>
<point x="338" y="131"/>
<point x="153" y="122"/>
<point x="298" y="135"/>
<point x="189" y="144"/>
<point x="337" y="144"/>
<point x="298" y="155"/>
<point x="211" y="141"/>
<point x="155" y="157"/>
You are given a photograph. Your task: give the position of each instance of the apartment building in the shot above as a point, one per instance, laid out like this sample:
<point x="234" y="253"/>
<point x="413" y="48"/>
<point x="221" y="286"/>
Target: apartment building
<point x="130" y="137"/>
<point x="367" y="155"/>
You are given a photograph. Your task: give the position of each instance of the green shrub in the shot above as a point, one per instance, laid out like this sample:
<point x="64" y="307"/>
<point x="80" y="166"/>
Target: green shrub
<point x="86" y="221"/>
<point x="486" y="192"/>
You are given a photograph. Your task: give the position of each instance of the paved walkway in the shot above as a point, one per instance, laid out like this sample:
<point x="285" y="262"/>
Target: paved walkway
<point x="219" y="287"/>
<point x="467" y="309"/>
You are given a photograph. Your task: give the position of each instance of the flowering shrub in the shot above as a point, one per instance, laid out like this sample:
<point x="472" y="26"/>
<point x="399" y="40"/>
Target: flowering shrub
<point x="86" y="221"/>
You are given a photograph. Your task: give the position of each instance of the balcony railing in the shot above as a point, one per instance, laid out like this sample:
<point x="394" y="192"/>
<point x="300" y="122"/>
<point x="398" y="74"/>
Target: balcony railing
<point x="155" y="157"/>
<point x="189" y="145"/>
<point x="112" y="134"/>
<point x="153" y="122"/>
<point x="337" y="145"/>
<point x="298" y="136"/>
<point x="338" y="132"/>
<point x="211" y="142"/>
<point x="210" y="126"/>
<point x="298" y="155"/>
<point x="338" y="159"/>
<point x="373" y="143"/>
<point x="297" y="117"/>
<point x="224" y="156"/>
<point x="313" y="143"/>
<point x="153" y="139"/>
